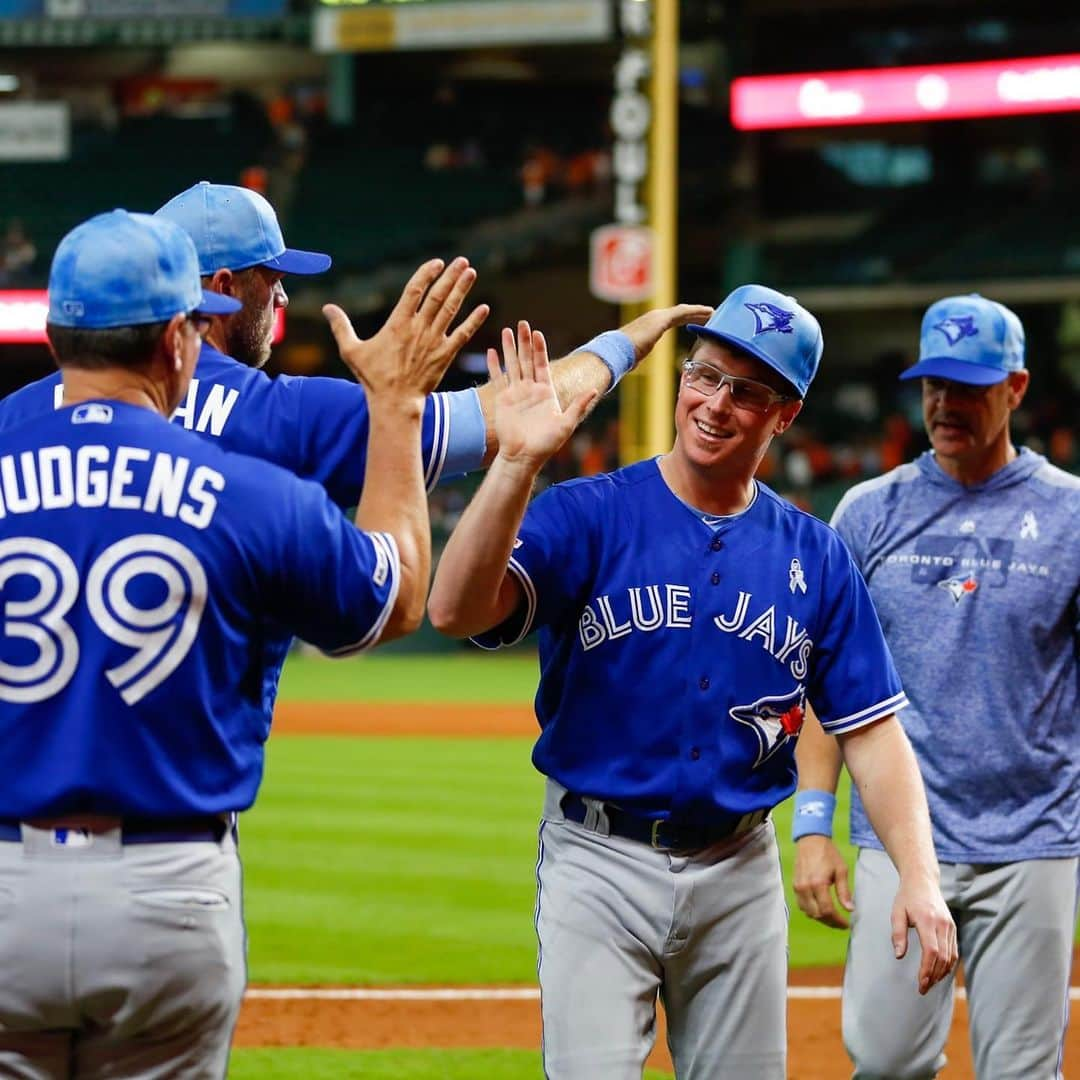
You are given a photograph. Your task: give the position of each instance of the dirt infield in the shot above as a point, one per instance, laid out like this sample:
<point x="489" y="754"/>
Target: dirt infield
<point x="449" y="721"/>
<point x="815" y="1048"/>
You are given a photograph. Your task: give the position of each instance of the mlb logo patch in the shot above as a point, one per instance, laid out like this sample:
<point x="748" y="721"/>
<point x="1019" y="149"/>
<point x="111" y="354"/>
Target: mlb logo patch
<point x="92" y="413"/>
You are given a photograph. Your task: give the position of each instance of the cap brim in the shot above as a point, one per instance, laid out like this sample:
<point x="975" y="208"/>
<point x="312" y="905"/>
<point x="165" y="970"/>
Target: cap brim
<point x="215" y="303"/>
<point x="744" y="346"/>
<point x="294" y="261"/>
<point x="948" y="367"/>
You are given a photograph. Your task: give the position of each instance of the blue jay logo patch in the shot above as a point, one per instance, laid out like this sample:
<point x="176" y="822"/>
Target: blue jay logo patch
<point x="957" y="327"/>
<point x="774" y="720"/>
<point x="770" y="317"/>
<point x="958" y="587"/>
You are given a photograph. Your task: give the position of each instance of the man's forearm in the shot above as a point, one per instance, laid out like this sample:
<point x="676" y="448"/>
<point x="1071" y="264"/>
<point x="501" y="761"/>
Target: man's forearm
<point x="817" y="757"/>
<point x="469" y="595"/>
<point x="572" y="376"/>
<point x="394" y="501"/>
<point x="884" y="770"/>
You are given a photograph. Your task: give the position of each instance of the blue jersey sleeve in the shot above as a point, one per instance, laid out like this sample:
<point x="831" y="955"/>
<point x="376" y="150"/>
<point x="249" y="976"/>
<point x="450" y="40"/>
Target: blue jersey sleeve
<point x="326" y="580"/>
<point x="551" y="563"/>
<point x="331" y="425"/>
<point x="853" y="680"/>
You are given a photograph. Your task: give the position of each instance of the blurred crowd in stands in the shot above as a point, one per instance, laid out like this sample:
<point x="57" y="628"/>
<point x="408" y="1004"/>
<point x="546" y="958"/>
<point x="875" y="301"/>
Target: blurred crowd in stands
<point x="18" y="256"/>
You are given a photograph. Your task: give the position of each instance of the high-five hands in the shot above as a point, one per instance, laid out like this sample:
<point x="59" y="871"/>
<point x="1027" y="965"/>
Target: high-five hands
<point x="529" y="421"/>
<point x="413" y="349"/>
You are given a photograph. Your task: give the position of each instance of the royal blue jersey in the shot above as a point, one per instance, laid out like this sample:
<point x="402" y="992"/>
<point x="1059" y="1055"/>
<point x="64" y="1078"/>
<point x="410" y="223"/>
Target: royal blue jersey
<point x="317" y="428"/>
<point x="678" y="650"/>
<point x="978" y="590"/>
<point x="142" y="573"/>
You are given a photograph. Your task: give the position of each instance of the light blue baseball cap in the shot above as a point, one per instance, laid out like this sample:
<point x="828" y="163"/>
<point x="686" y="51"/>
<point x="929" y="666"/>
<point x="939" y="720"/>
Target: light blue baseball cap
<point x="775" y="328"/>
<point x="121" y="269"/>
<point x="969" y="339"/>
<point x="234" y="228"/>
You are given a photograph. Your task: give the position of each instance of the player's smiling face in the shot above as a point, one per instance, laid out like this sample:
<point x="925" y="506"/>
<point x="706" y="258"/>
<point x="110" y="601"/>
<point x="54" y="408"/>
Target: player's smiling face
<point x="712" y="430"/>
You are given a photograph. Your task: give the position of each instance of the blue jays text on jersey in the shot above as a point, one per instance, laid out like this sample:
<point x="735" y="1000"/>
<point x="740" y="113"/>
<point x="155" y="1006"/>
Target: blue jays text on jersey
<point x="978" y="590"/>
<point x="141" y="571"/>
<point x="678" y="652"/>
<point x="317" y="428"/>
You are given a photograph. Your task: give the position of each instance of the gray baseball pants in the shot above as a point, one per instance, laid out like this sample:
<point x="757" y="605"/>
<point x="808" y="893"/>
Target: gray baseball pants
<point x="619" y="923"/>
<point x="118" y="960"/>
<point x="1015" y="923"/>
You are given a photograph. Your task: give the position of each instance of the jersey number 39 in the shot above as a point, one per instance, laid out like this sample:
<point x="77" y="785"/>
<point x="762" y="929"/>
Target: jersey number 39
<point x="160" y="635"/>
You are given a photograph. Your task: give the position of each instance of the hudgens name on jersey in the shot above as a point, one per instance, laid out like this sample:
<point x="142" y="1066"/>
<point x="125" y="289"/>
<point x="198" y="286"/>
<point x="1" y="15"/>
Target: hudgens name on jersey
<point x="121" y="478"/>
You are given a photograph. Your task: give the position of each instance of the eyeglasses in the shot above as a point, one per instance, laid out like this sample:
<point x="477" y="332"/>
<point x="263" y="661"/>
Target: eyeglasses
<point x="746" y="394"/>
<point x="201" y="322"/>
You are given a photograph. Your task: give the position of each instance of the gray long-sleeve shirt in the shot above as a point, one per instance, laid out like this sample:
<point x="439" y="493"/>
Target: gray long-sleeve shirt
<point x="978" y="592"/>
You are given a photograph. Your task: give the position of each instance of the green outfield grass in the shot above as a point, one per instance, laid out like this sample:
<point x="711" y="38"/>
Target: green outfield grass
<point x="288" y="1064"/>
<point x="471" y="675"/>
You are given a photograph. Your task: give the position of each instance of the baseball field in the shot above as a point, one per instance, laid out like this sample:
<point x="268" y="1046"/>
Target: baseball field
<point x="389" y="876"/>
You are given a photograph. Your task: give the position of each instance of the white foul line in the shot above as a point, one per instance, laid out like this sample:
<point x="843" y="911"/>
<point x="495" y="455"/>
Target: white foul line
<point x="485" y="993"/>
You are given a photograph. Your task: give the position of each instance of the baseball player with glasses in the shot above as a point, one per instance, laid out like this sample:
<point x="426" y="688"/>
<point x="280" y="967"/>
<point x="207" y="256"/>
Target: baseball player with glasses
<point x="140" y="570"/>
<point x="971" y="558"/>
<point x="687" y="617"/>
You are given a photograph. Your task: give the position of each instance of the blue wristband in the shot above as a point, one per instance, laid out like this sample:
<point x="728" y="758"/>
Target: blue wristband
<point x="617" y="352"/>
<point x="813" y="814"/>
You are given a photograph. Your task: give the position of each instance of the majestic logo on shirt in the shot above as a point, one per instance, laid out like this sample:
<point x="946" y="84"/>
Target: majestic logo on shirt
<point x="957" y="327"/>
<point x="1029" y="527"/>
<point x="967" y="527"/>
<point x="775" y="720"/>
<point x="73" y="838"/>
<point x="958" y="588"/>
<point x="770" y="317"/>
<point x="796" y="580"/>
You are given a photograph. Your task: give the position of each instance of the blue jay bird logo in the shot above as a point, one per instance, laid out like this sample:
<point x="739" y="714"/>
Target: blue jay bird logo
<point x="774" y="720"/>
<point x="770" y="317"/>
<point x="957" y="327"/>
<point x="958" y="587"/>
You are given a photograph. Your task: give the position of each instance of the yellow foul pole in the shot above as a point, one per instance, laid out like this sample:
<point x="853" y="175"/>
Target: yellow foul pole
<point x="663" y="213"/>
<point x="646" y="397"/>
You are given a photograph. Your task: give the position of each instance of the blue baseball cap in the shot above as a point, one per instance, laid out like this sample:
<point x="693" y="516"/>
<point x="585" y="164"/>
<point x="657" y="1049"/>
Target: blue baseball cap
<point x="969" y="339"/>
<point x="773" y="327"/>
<point x="121" y="269"/>
<point x="234" y="228"/>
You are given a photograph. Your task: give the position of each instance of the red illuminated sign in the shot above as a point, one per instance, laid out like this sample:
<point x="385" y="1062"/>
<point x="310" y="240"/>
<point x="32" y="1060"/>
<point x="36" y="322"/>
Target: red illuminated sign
<point x="23" y="312"/>
<point x="22" y="315"/>
<point x="890" y="95"/>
